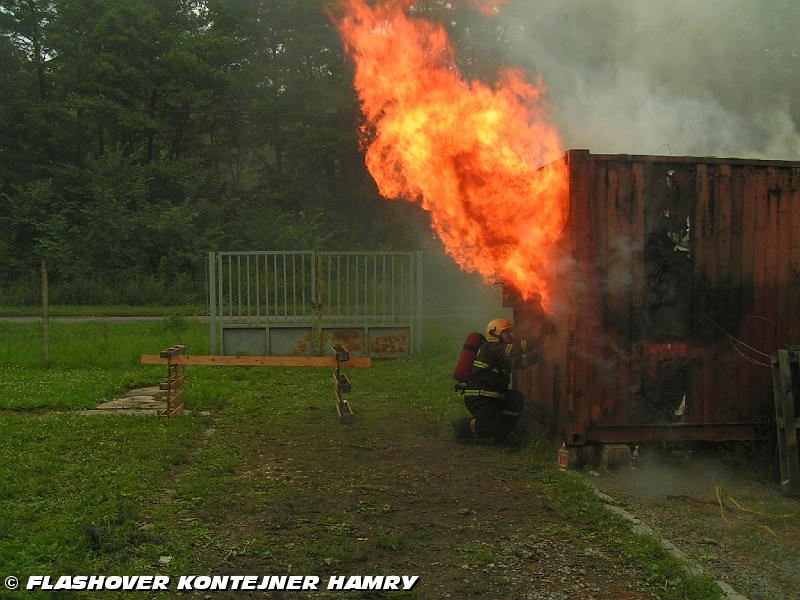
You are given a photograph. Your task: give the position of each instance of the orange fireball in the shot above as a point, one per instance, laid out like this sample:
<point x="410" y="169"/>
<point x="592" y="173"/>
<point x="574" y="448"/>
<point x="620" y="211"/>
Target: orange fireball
<point x="484" y="160"/>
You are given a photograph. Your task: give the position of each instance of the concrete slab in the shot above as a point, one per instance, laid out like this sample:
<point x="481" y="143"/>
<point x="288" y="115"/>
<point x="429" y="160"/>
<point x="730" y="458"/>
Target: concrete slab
<point x="148" y="400"/>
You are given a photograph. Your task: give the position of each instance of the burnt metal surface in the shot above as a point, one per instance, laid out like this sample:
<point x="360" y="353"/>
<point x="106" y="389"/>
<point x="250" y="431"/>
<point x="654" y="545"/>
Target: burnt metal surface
<point x="719" y="432"/>
<point x="681" y="274"/>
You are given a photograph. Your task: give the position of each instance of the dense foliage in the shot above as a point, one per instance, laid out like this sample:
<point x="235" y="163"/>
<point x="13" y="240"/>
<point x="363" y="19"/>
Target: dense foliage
<point x="137" y="134"/>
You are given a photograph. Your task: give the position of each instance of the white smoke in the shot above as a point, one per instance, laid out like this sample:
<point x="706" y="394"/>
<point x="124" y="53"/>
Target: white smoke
<point x="686" y="77"/>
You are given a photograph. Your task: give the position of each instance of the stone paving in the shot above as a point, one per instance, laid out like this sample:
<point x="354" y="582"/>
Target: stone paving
<point x="139" y="401"/>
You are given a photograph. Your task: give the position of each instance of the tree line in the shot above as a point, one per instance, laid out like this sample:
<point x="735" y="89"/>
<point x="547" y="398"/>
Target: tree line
<point x="135" y="135"/>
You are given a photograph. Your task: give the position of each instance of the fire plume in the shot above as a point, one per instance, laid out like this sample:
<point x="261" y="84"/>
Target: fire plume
<point x="468" y="152"/>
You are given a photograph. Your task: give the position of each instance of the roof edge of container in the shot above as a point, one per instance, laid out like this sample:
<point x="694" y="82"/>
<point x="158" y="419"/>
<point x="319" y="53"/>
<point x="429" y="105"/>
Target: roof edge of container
<point x="712" y="160"/>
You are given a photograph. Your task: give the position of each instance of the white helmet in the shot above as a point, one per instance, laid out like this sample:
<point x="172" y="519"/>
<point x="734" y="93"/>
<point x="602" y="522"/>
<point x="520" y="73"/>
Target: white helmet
<point x="495" y="327"/>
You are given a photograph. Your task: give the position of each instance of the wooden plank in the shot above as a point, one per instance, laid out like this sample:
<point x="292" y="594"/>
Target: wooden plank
<point x="345" y="413"/>
<point x="173" y="383"/>
<point x="777" y="393"/>
<point x="792" y="486"/>
<point x="257" y="361"/>
<point x="173" y="351"/>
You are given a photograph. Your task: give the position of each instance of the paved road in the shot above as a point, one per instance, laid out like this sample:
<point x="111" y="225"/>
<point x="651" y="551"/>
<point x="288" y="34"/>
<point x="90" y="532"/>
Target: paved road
<point x="81" y="319"/>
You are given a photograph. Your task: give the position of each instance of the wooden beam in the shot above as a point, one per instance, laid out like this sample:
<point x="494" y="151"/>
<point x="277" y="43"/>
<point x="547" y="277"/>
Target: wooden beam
<point x="255" y="361"/>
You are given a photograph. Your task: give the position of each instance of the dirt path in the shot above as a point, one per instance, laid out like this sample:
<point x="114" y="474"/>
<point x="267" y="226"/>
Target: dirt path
<point x="758" y="555"/>
<point x="311" y="500"/>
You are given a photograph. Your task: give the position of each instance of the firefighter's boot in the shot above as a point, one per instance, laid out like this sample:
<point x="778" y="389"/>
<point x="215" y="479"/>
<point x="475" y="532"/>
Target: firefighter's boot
<point x="462" y="429"/>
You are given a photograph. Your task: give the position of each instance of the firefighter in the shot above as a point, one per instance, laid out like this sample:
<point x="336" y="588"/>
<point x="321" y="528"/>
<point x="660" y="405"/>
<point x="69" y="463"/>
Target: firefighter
<point x="494" y="406"/>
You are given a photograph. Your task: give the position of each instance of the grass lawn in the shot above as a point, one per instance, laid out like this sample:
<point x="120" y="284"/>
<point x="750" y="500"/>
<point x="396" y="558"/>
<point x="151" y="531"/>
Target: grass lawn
<point x="260" y="479"/>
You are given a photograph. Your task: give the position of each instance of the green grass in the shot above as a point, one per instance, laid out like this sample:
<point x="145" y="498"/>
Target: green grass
<point x="91" y="345"/>
<point x="80" y="487"/>
<point x="121" y="310"/>
<point x="590" y="521"/>
<point x="89" y="361"/>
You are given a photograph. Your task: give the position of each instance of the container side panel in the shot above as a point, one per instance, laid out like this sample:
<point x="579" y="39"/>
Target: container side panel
<point x="627" y="392"/>
<point x="784" y="253"/>
<point x="694" y="404"/>
<point x="794" y="242"/>
<point x="589" y="189"/>
<point x="638" y="288"/>
<point x="737" y="204"/>
<point x="616" y="245"/>
<point x="596" y="338"/>
<point x="774" y="197"/>
<point x="722" y="401"/>
<point x="756" y="325"/>
<point x="746" y="261"/>
<point x="748" y="226"/>
<point x="724" y="216"/>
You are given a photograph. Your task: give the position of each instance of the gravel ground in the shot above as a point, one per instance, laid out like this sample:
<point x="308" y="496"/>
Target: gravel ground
<point x="755" y="552"/>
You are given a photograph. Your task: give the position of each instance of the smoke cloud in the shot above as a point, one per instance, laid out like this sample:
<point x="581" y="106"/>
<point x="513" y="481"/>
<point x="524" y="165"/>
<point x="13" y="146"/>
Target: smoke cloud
<point x="687" y="77"/>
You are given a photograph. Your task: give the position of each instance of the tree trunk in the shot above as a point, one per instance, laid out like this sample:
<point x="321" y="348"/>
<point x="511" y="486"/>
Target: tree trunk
<point x="37" y="49"/>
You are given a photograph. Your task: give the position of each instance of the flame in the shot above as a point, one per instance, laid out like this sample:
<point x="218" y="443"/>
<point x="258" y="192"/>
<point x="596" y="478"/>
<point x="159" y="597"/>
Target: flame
<point x="469" y="153"/>
<point x="488" y="8"/>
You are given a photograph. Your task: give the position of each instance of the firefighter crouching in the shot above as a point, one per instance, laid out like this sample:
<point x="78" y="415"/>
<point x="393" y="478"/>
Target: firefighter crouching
<point x="485" y="384"/>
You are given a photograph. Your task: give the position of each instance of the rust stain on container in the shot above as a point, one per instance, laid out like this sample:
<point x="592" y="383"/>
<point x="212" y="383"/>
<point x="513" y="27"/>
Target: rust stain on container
<point x="671" y="258"/>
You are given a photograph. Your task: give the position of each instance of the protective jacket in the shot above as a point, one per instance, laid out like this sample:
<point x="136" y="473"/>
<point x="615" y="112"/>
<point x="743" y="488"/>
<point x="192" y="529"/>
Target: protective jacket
<point x="491" y="369"/>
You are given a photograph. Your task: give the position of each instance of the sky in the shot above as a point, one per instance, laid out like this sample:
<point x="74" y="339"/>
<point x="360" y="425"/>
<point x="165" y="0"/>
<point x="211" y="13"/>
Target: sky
<point x="684" y="77"/>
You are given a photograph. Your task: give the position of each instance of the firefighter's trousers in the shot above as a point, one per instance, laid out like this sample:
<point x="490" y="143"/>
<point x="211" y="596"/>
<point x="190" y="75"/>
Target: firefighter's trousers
<point x="496" y="413"/>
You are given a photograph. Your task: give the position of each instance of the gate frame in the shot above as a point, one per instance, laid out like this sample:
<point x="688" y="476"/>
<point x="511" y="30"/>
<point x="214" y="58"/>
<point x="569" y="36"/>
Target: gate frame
<point x="315" y="320"/>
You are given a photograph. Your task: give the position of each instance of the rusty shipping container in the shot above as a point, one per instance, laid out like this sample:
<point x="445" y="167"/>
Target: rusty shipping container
<point x="680" y="276"/>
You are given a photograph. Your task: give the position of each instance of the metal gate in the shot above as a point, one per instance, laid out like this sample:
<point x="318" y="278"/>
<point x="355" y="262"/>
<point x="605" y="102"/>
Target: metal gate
<point x="302" y="303"/>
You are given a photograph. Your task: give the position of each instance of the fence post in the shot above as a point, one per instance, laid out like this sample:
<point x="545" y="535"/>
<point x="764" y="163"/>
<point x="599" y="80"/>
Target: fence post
<point x="212" y="301"/>
<point x="320" y="294"/>
<point x="221" y="340"/>
<point x="418" y="340"/>
<point x="45" y="314"/>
